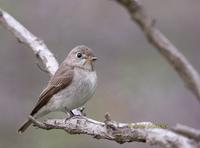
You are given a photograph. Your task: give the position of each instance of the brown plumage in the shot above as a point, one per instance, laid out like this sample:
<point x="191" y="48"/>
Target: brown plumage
<point x="61" y="79"/>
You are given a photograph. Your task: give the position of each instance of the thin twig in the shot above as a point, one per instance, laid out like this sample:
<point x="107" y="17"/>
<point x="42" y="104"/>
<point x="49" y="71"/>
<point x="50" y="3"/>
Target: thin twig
<point x="38" y="124"/>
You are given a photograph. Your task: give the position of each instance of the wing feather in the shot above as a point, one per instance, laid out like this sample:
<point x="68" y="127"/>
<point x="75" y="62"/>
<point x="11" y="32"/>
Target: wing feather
<point x="62" y="78"/>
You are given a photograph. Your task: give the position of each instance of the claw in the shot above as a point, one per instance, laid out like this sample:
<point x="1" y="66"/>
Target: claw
<point x="71" y="114"/>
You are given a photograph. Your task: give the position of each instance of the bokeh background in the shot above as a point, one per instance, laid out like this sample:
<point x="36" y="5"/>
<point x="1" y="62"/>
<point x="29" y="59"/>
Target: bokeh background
<point x="135" y="82"/>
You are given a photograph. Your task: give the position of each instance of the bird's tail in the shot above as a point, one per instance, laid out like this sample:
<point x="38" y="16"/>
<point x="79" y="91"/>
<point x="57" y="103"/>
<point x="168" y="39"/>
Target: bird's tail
<point x="24" y="126"/>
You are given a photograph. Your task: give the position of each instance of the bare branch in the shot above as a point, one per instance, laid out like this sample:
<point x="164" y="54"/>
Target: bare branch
<point x="145" y="132"/>
<point x="188" y="131"/>
<point x="185" y="70"/>
<point x="26" y="37"/>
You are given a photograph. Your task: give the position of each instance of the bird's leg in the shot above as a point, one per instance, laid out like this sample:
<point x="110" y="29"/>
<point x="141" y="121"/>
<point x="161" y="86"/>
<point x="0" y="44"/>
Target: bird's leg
<point x="77" y="112"/>
<point x="81" y="110"/>
<point x="70" y="114"/>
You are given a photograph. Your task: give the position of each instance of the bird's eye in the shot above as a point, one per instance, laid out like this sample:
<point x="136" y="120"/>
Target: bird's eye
<point x="79" y="55"/>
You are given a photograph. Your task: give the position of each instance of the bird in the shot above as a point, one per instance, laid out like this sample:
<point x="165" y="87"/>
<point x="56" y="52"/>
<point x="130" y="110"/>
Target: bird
<point x="72" y="85"/>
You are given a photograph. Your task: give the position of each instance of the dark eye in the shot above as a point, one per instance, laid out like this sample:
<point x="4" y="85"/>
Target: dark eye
<point x="79" y="55"/>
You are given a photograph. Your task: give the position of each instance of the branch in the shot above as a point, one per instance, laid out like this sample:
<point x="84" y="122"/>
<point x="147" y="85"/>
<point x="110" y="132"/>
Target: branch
<point x="26" y="37"/>
<point x="38" y="46"/>
<point x="185" y="70"/>
<point x="187" y="131"/>
<point x="146" y="132"/>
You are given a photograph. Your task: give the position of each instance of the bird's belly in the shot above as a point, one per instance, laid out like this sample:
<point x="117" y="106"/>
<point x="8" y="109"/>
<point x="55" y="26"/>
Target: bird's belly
<point x="77" y="94"/>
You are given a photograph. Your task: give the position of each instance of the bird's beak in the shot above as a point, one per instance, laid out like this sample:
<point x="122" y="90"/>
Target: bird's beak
<point x="94" y="58"/>
<point x="90" y="60"/>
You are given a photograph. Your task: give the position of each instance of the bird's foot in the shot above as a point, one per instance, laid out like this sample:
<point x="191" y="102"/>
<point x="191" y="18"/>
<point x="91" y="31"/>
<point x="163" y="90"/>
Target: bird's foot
<point x="70" y="115"/>
<point x="79" y="111"/>
<point x="75" y="113"/>
<point x="82" y="111"/>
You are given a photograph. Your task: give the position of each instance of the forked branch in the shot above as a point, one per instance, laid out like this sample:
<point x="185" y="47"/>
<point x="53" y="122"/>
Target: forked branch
<point x="145" y="132"/>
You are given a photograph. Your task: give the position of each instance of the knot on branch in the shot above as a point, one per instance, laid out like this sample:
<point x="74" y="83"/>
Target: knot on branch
<point x="110" y="124"/>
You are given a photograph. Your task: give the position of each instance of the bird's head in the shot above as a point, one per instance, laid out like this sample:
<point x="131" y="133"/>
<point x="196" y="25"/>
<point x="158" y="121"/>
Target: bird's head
<point x="81" y="56"/>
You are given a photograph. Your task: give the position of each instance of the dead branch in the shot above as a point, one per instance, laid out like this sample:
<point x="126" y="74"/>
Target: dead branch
<point x="145" y="132"/>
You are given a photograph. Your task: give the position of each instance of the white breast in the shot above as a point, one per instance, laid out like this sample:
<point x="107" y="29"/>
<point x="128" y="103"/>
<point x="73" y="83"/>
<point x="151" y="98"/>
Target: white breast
<point x="77" y="93"/>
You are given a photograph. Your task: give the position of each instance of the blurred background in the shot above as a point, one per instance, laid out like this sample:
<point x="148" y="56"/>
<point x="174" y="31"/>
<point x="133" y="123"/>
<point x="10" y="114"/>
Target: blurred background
<point x="135" y="82"/>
